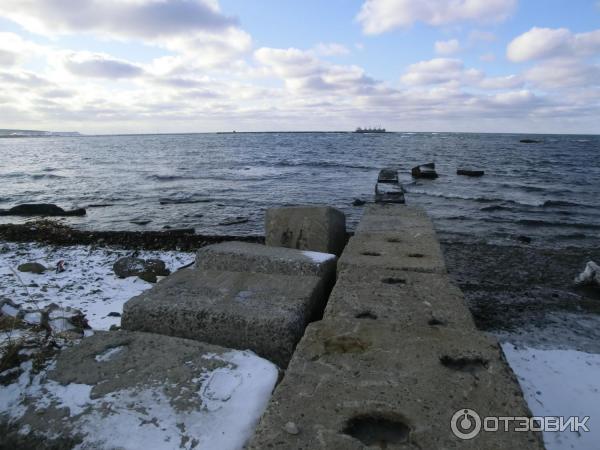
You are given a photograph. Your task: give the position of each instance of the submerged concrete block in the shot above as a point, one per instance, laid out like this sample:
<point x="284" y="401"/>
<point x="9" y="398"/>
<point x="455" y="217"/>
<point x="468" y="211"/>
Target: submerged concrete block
<point x="316" y="228"/>
<point x="245" y="257"/>
<point x="404" y="298"/>
<point x="265" y="313"/>
<point x="136" y="390"/>
<point x="412" y="250"/>
<point x="354" y="384"/>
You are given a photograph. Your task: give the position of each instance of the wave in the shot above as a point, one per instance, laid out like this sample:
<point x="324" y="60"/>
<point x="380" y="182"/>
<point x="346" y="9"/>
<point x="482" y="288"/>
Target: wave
<point x="323" y="164"/>
<point x="545" y="223"/>
<point x="184" y="201"/>
<point x="157" y="177"/>
<point x="473" y="199"/>
<point x="45" y="176"/>
<point x="550" y="203"/>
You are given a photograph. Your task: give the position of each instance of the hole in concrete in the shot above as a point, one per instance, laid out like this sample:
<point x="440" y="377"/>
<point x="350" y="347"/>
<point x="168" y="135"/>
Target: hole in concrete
<point x="378" y="431"/>
<point x="464" y="363"/>
<point x="392" y="280"/>
<point x="394" y="240"/>
<point x="371" y="254"/>
<point x="346" y="344"/>
<point x="436" y="322"/>
<point x="366" y="315"/>
<point x="415" y="255"/>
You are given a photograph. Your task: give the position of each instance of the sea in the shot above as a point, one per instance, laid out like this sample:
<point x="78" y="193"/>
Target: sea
<point x="546" y="192"/>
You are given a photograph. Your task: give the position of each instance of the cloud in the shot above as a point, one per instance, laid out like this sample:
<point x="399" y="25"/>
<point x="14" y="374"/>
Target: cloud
<point x="14" y="49"/>
<point x="542" y="43"/>
<point x="559" y="74"/>
<point x="440" y="70"/>
<point x="447" y="47"/>
<point x="379" y="16"/>
<point x="97" y="65"/>
<point x="128" y="18"/>
<point x="331" y="49"/>
<point x="488" y="57"/>
<point x="476" y="36"/>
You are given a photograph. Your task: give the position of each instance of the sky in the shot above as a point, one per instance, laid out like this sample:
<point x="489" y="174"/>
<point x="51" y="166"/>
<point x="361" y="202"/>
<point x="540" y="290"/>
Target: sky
<point x="167" y="66"/>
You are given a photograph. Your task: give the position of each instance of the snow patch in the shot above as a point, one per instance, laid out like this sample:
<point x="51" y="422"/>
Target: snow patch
<point x="560" y="383"/>
<point x="108" y="354"/>
<point x="318" y="257"/>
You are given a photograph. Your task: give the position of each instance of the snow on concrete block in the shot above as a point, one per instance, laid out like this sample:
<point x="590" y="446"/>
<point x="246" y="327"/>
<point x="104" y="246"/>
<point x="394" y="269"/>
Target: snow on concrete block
<point x="354" y="384"/>
<point x="316" y="228"/>
<point x="246" y="257"/>
<point x="135" y="390"/>
<point x="262" y="312"/>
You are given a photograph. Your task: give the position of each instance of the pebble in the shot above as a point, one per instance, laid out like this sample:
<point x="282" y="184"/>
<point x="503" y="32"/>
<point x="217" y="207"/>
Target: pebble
<point x="291" y="428"/>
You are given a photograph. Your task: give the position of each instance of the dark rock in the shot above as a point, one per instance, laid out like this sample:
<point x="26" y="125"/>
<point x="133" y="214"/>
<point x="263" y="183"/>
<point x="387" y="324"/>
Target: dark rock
<point x="148" y="276"/>
<point x="40" y="209"/>
<point x="530" y="141"/>
<point x="470" y="173"/>
<point x="524" y="239"/>
<point x="32" y="268"/>
<point x="358" y="202"/>
<point x="424" y="171"/>
<point x="389" y="193"/>
<point x="147" y="270"/>
<point x="114" y="314"/>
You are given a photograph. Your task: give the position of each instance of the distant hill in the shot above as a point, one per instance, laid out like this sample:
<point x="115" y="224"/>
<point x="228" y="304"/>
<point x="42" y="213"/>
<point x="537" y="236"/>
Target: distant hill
<point x="6" y="133"/>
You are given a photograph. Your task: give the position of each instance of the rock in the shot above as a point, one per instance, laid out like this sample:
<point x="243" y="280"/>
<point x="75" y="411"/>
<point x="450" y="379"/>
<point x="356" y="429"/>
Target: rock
<point x="148" y="276"/>
<point x="40" y="209"/>
<point x="33" y="267"/>
<point x="129" y="266"/>
<point x="291" y="428"/>
<point x="114" y="314"/>
<point x="470" y="173"/>
<point x="524" y="239"/>
<point x="358" y="202"/>
<point x="530" y="141"/>
<point x="590" y="276"/>
<point x="424" y="171"/>
<point x="316" y="228"/>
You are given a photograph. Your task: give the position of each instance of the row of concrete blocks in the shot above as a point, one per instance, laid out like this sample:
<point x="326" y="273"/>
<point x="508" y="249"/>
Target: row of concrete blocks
<point x="250" y="296"/>
<point x="396" y="355"/>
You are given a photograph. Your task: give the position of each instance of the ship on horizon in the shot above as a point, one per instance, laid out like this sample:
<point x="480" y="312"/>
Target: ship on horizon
<point x="370" y="130"/>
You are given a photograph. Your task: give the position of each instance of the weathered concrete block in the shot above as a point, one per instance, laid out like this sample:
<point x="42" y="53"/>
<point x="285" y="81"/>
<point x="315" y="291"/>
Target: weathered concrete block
<point x="353" y="384"/>
<point x="405" y="298"/>
<point x="262" y="312"/>
<point x="137" y="390"/>
<point x="316" y="228"/>
<point x="387" y="217"/>
<point x="411" y="250"/>
<point x="245" y="257"/>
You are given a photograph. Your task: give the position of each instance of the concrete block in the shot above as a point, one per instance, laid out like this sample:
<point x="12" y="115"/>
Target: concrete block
<point x="262" y="312"/>
<point x="412" y="250"/>
<point x="137" y="390"/>
<point x="354" y="384"/>
<point x="316" y="228"/>
<point x="387" y="217"/>
<point x="246" y="257"/>
<point x="405" y="298"/>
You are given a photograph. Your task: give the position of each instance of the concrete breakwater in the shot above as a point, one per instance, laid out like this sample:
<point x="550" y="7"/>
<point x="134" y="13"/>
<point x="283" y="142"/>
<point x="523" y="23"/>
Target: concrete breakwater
<point x="396" y="355"/>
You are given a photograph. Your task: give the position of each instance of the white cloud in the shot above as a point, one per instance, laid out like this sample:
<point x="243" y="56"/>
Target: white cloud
<point x="565" y="73"/>
<point x="440" y="70"/>
<point x="541" y="43"/>
<point x="14" y="49"/>
<point x="379" y="16"/>
<point x="331" y="49"/>
<point x="98" y="65"/>
<point x="449" y="47"/>
<point x="147" y="19"/>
